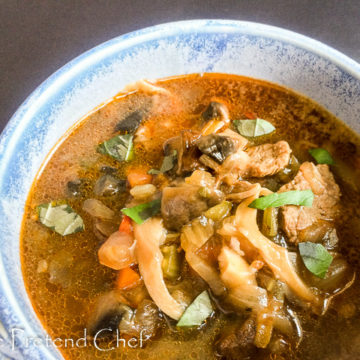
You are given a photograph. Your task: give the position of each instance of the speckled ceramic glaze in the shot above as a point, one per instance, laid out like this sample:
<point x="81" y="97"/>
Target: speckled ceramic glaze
<point x="250" y="49"/>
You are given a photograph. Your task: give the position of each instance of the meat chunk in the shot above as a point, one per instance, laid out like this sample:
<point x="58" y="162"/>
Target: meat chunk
<point x="180" y="205"/>
<point x="325" y="206"/>
<point x="257" y="161"/>
<point x="268" y="159"/>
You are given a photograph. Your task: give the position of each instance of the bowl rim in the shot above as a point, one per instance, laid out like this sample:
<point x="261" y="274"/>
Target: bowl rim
<point x="134" y="37"/>
<point x="22" y="115"/>
<point x="12" y="131"/>
<point x="8" y="135"/>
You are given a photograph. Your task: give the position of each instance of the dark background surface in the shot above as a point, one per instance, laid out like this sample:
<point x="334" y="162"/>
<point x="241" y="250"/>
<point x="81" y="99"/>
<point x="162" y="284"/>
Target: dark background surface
<point x="39" y="36"/>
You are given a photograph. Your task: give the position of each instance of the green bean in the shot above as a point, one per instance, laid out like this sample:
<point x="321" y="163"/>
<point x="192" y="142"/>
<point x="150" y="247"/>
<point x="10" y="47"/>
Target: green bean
<point x="219" y="211"/>
<point x="171" y="262"/>
<point x="270" y="222"/>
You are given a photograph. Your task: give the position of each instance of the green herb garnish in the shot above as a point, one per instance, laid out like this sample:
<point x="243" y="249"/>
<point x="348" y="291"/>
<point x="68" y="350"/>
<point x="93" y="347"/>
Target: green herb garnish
<point x="253" y="127"/>
<point x="142" y="212"/>
<point x="294" y="197"/>
<point x="119" y="147"/>
<point x="197" y="312"/>
<point x="60" y="218"/>
<point x="316" y="258"/>
<point x="167" y="164"/>
<point x="321" y="156"/>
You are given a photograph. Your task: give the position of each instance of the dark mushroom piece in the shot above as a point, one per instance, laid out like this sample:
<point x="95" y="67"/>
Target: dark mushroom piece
<point x="131" y="122"/>
<point x="77" y="187"/>
<point x="107" y="314"/>
<point x="214" y="110"/>
<point x="109" y="185"/>
<point x="216" y="146"/>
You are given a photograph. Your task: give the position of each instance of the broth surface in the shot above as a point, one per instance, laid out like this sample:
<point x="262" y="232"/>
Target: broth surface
<point x="65" y="293"/>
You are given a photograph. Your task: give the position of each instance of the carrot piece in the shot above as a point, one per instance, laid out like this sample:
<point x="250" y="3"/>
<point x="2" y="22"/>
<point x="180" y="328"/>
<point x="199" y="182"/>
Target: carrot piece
<point x="127" y="279"/>
<point x="126" y="225"/>
<point x="138" y="177"/>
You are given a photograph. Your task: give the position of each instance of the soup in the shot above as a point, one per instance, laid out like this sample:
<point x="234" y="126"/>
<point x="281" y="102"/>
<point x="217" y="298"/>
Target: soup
<point x="204" y="217"/>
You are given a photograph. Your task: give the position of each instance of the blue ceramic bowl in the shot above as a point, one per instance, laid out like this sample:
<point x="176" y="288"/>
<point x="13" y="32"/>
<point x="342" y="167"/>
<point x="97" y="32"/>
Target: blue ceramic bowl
<point x="250" y="49"/>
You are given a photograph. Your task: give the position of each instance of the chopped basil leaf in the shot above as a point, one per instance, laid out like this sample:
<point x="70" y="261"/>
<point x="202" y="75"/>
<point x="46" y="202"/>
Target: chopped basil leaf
<point x="253" y="127"/>
<point x="167" y="164"/>
<point x="197" y="312"/>
<point x="140" y="213"/>
<point x="321" y="156"/>
<point x="60" y="218"/>
<point x="294" y="197"/>
<point x="316" y="258"/>
<point x="119" y="147"/>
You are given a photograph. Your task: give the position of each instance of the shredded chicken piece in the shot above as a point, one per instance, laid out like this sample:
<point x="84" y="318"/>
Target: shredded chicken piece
<point x="149" y="236"/>
<point x="276" y="257"/>
<point x="325" y="205"/>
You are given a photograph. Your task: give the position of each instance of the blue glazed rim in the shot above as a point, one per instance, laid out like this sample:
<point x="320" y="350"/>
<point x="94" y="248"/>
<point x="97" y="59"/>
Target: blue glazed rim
<point x="11" y="135"/>
<point x="21" y="116"/>
<point x="155" y="32"/>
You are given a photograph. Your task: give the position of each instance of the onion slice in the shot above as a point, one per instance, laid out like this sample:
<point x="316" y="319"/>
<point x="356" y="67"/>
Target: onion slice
<point x="149" y="236"/>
